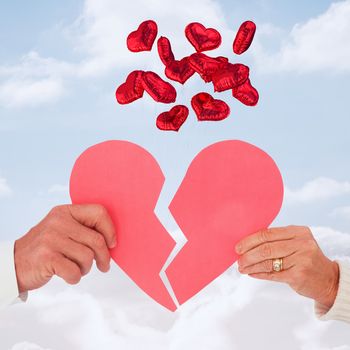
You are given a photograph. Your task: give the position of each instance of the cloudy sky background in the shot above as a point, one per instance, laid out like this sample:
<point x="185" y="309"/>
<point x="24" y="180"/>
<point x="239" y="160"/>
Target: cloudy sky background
<point x="60" y="63"/>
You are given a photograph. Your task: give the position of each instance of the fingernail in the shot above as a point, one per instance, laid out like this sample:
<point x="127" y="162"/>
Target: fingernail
<point x="238" y="248"/>
<point x="114" y="243"/>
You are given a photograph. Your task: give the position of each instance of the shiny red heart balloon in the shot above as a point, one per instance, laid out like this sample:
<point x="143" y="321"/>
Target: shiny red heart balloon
<point x="158" y="89"/>
<point x="164" y="50"/>
<point x="218" y="70"/>
<point x="206" y="66"/>
<point x="246" y="93"/>
<point x="132" y="89"/>
<point x="173" y="119"/>
<point x="179" y="71"/>
<point x="143" y="38"/>
<point x="207" y="108"/>
<point x="244" y="37"/>
<point x="230" y="77"/>
<point x="201" y="38"/>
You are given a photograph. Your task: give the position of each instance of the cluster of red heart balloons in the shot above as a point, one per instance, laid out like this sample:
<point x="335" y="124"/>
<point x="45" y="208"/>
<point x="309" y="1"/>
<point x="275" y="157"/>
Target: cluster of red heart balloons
<point x="219" y="71"/>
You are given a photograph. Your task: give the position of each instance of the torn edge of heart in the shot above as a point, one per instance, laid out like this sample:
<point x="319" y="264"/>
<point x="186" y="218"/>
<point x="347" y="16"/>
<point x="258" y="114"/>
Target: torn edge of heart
<point x="164" y="215"/>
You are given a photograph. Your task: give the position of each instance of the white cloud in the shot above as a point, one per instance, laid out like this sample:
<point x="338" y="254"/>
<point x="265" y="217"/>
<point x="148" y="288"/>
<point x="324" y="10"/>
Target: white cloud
<point x="99" y="36"/>
<point x="100" y="31"/>
<point x="27" y="346"/>
<point x="58" y="189"/>
<point x="334" y="243"/>
<point x="33" y="81"/>
<point x="236" y="312"/>
<point x="321" y="188"/>
<point x="104" y="25"/>
<point x="343" y="212"/>
<point x="25" y="93"/>
<point x="5" y="189"/>
<point x="320" y="44"/>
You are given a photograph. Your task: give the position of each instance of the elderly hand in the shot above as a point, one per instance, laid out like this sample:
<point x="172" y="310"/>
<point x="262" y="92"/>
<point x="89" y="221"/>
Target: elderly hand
<point x="64" y="243"/>
<point x="305" y="268"/>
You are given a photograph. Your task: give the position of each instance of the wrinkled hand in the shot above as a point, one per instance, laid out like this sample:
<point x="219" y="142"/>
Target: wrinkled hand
<point x="305" y="268"/>
<point x="64" y="243"/>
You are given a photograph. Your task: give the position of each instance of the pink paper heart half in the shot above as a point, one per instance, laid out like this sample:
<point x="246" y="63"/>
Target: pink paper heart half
<point x="230" y="190"/>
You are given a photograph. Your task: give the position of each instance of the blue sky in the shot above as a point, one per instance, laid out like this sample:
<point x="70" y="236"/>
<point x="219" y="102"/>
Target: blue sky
<point x="60" y="62"/>
<point x="302" y="119"/>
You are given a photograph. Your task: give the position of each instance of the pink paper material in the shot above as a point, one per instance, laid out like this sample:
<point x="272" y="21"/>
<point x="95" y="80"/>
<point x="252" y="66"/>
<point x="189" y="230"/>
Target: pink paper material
<point x="231" y="190"/>
<point x="127" y="180"/>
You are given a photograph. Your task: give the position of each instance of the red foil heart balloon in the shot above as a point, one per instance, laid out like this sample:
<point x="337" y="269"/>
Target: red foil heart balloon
<point x="218" y="70"/>
<point x="132" y="89"/>
<point x="179" y="71"/>
<point x="173" y="119"/>
<point x="209" y="109"/>
<point x="158" y="89"/>
<point x="201" y="38"/>
<point x="230" y="77"/>
<point x="246" y="94"/>
<point x="143" y="38"/>
<point x="206" y="66"/>
<point x="244" y="37"/>
<point x="164" y="50"/>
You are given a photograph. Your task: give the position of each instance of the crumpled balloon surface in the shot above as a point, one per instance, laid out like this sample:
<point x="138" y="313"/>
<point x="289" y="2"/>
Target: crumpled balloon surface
<point x="158" y="89"/>
<point x="201" y="38"/>
<point x="173" y="119"/>
<point x="219" y="71"/>
<point x="246" y="93"/>
<point x="209" y="109"/>
<point x="143" y="38"/>
<point x="244" y="37"/>
<point x="179" y="71"/>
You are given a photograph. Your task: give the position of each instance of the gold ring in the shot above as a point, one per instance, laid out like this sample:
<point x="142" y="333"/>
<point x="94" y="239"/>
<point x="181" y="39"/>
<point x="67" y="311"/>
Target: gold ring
<point x="277" y="264"/>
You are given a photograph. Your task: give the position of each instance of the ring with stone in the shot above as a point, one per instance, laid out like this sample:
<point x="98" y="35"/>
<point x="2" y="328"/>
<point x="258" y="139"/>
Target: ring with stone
<point x="277" y="264"/>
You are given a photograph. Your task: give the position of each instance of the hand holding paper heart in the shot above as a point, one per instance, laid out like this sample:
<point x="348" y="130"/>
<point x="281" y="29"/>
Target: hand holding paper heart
<point x="231" y="189"/>
<point x="64" y="243"/>
<point x="305" y="268"/>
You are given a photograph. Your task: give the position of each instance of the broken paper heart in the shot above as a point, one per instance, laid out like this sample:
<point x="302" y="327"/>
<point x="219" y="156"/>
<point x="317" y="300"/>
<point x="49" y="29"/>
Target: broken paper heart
<point x="230" y="190"/>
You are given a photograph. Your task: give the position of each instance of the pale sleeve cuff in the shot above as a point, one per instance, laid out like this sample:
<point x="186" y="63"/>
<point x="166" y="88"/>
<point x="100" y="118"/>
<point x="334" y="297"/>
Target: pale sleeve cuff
<point x="341" y="308"/>
<point x="8" y="280"/>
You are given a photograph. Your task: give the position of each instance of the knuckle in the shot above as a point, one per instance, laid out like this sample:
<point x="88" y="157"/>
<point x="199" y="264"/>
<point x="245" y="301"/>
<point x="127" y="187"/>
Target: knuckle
<point x="55" y="217"/>
<point x="306" y="231"/>
<point x="53" y="220"/>
<point x="54" y="210"/>
<point x="264" y="235"/>
<point x="48" y="256"/>
<point x="47" y="251"/>
<point x="311" y="245"/>
<point x="57" y="210"/>
<point x="87" y="258"/>
<point x="53" y="259"/>
<point x="265" y="250"/>
<point x="46" y="239"/>
<point x="99" y="241"/>
<point x="267" y="266"/>
<point x="100" y="211"/>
